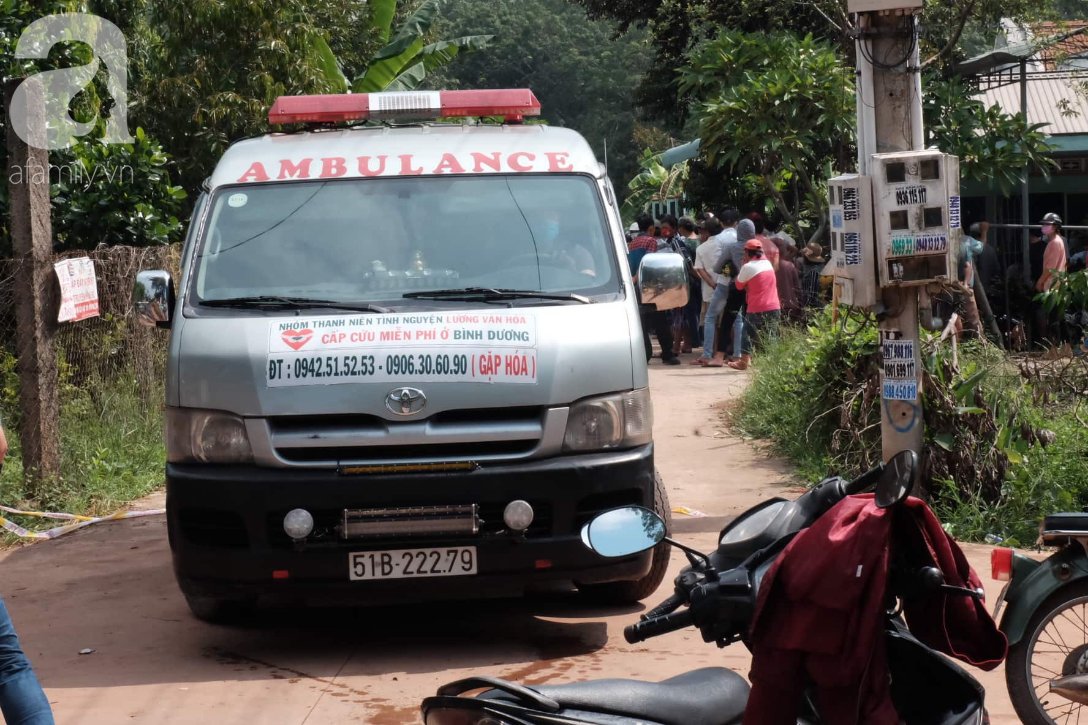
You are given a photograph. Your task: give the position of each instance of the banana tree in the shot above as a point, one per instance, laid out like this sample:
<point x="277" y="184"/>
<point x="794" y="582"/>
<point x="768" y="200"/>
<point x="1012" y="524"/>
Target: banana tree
<point x="656" y="181"/>
<point x="405" y="60"/>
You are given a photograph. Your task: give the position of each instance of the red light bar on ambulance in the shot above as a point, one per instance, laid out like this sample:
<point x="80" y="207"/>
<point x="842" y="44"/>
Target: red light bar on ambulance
<point x="513" y="104"/>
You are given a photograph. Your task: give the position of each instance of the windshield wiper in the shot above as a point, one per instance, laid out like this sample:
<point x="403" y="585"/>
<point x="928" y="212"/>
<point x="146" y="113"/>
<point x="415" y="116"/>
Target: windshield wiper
<point x="299" y="303"/>
<point x="489" y="293"/>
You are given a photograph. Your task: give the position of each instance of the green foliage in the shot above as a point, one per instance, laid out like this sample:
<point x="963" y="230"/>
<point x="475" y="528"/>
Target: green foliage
<point x="676" y="27"/>
<point x="992" y="145"/>
<point x="213" y="69"/>
<point x="1070" y="290"/>
<point x="405" y="61"/>
<point x="111" y="194"/>
<point x="989" y="465"/>
<point x="805" y="388"/>
<point x="113" y="451"/>
<point x="584" y="77"/>
<point x="653" y="182"/>
<point x="774" y="105"/>
<point x="115" y="194"/>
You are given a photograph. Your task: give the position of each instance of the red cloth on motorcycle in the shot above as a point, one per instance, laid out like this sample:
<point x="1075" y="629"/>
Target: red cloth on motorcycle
<point x="822" y="606"/>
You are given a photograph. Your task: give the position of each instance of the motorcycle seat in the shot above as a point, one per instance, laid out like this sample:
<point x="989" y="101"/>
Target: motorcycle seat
<point x="1065" y="522"/>
<point x="709" y="696"/>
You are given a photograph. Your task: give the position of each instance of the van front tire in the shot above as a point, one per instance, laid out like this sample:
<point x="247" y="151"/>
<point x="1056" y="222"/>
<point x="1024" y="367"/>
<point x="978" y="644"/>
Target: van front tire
<point x="632" y="592"/>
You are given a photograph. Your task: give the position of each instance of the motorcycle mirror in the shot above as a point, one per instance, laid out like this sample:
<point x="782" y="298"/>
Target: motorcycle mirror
<point x="898" y="479"/>
<point x="624" y="531"/>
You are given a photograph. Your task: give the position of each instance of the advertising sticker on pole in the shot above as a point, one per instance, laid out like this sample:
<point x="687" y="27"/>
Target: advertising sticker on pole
<point x="78" y="289"/>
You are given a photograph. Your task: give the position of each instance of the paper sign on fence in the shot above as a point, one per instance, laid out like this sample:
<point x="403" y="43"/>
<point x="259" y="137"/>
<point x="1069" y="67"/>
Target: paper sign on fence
<point x="78" y="289"/>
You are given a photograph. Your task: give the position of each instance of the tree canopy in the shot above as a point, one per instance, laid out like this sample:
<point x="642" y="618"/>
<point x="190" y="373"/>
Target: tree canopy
<point x="584" y="79"/>
<point x="213" y="69"/>
<point x="777" y="106"/>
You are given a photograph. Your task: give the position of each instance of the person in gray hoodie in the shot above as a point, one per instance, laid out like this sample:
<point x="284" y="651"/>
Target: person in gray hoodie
<point x="729" y="263"/>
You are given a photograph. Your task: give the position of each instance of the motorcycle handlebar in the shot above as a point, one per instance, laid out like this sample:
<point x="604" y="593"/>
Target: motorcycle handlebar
<point x="668" y="606"/>
<point x="864" y="482"/>
<point x="642" y="631"/>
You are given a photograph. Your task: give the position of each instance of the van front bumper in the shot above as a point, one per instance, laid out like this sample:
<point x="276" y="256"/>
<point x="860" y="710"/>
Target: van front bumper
<point x="226" y="527"/>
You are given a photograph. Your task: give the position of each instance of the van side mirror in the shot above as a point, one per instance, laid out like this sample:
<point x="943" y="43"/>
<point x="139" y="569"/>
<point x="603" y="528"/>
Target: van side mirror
<point x="153" y="298"/>
<point x="663" y="280"/>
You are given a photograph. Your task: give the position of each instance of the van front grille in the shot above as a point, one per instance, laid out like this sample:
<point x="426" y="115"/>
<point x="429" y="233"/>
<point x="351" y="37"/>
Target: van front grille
<point x="458" y="435"/>
<point x="326" y="522"/>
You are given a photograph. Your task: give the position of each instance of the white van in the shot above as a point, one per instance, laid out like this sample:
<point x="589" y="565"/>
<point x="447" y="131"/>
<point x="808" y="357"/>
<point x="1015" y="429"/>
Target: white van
<point x="405" y="352"/>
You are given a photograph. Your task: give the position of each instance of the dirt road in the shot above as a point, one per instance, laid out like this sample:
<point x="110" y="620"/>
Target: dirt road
<point x="110" y="588"/>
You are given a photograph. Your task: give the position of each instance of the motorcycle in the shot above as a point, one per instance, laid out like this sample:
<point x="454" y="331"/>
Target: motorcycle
<point x="717" y="593"/>
<point x="1045" y="605"/>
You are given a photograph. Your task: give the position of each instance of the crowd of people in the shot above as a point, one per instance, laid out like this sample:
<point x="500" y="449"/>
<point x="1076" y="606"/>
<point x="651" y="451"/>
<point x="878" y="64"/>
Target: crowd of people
<point x="747" y="276"/>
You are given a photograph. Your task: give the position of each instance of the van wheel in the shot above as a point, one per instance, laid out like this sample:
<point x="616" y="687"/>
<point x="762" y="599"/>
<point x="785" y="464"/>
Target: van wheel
<point x="220" y="611"/>
<point x="632" y="592"/>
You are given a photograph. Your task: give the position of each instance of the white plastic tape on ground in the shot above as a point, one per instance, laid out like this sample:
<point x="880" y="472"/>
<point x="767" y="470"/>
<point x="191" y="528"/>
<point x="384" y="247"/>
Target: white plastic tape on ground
<point x="78" y="522"/>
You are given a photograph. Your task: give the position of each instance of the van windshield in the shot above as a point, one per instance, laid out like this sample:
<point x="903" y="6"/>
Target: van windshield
<point x="372" y="240"/>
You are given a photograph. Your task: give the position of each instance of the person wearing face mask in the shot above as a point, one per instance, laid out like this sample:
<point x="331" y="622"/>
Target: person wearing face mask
<point x="1054" y="259"/>
<point x="559" y="246"/>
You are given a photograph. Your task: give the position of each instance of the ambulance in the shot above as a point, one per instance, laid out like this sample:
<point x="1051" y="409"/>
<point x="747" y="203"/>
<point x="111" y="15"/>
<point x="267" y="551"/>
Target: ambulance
<point x="406" y="360"/>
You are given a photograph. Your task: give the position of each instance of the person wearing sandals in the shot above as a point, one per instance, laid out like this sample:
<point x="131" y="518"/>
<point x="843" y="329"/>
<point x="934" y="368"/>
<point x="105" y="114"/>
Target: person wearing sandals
<point x="729" y="264"/>
<point x="708" y="259"/>
<point x="762" y="309"/>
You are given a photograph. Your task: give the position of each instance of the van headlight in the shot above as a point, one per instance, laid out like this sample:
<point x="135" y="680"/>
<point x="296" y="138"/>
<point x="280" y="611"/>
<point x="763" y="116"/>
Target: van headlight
<point x="206" y="436"/>
<point x="622" y="420"/>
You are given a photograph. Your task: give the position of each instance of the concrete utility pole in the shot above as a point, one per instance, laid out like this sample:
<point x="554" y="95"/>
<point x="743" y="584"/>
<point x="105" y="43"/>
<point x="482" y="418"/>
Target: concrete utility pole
<point x="36" y="292"/>
<point x="890" y="120"/>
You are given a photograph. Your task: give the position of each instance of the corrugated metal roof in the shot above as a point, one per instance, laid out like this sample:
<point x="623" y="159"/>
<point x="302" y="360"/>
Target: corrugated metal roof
<point x="1044" y="96"/>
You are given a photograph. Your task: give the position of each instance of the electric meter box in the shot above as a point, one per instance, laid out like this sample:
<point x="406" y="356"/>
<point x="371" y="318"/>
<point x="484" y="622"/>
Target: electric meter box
<point x="871" y="6"/>
<point x="852" y="248"/>
<point x="917" y="217"/>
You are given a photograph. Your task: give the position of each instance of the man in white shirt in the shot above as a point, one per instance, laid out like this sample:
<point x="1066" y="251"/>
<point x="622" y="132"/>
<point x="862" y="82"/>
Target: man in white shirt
<point x="706" y="259"/>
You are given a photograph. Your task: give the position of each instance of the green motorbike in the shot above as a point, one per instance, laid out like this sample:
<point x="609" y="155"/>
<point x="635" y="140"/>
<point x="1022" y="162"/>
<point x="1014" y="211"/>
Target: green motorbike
<point x="1043" y="610"/>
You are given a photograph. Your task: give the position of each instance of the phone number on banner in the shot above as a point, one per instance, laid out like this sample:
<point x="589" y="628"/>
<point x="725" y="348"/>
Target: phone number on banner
<point x="433" y="365"/>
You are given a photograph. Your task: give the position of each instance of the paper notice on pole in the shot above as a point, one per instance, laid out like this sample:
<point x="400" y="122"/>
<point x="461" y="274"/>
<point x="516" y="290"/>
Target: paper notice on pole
<point x="78" y="289"/>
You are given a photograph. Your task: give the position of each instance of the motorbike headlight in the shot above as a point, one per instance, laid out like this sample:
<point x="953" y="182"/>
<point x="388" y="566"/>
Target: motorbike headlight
<point x="206" y="436"/>
<point x="621" y="420"/>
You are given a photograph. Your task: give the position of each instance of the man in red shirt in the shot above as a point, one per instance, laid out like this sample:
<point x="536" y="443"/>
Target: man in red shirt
<point x="762" y="310"/>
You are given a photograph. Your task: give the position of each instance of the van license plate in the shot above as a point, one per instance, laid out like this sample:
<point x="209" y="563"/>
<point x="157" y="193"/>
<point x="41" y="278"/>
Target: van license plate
<point x="412" y="563"/>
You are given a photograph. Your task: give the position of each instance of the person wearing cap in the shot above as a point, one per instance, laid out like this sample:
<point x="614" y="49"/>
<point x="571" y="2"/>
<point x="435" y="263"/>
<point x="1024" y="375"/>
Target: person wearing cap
<point x="762" y="309"/>
<point x="1054" y="259"/>
<point x="813" y="264"/>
